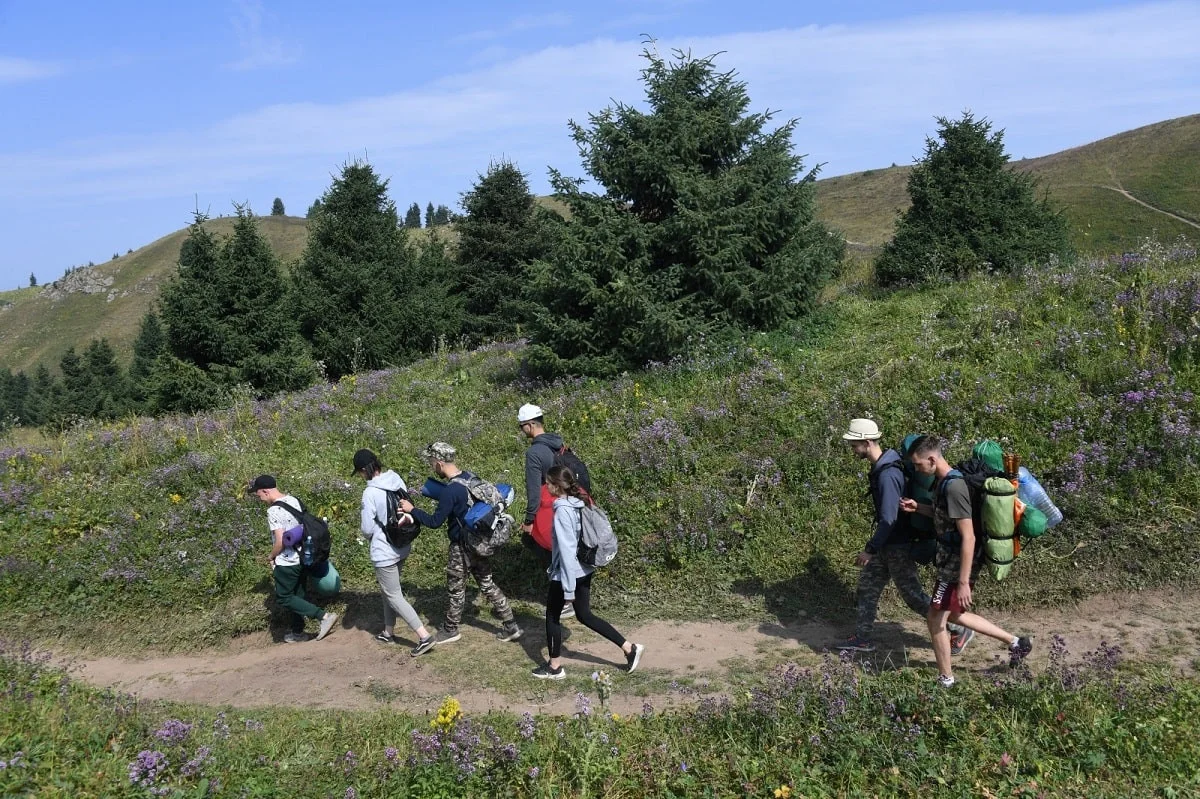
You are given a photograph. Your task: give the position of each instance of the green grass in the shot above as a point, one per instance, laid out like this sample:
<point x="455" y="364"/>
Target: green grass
<point x="724" y="469"/>
<point x="1085" y="727"/>
<point x="1159" y="164"/>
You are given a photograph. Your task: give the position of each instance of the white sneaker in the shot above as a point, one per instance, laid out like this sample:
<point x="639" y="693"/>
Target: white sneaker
<point x="945" y="682"/>
<point x="634" y="657"/>
<point x="327" y="622"/>
<point x="295" y="638"/>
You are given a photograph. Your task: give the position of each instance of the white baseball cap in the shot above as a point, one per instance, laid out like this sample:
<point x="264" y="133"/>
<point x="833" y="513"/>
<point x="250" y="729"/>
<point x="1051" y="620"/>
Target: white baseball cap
<point x="528" y="413"/>
<point x="862" y="430"/>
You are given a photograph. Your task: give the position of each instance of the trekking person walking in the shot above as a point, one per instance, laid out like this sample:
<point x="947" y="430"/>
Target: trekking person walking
<point x="888" y="555"/>
<point x="284" y="560"/>
<point x="958" y="560"/>
<point x="537" y="529"/>
<point x="570" y="579"/>
<point x="387" y="559"/>
<point x="452" y="505"/>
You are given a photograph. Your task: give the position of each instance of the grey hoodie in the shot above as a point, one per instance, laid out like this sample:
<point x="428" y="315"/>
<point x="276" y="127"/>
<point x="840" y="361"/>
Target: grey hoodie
<point x="538" y="460"/>
<point x="564" y="556"/>
<point x="374" y="512"/>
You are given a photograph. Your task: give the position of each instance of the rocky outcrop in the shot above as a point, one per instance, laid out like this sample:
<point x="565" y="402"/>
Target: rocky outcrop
<point x="82" y="281"/>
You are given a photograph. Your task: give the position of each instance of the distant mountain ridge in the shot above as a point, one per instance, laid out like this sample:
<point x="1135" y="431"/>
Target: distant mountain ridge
<point x="1114" y="192"/>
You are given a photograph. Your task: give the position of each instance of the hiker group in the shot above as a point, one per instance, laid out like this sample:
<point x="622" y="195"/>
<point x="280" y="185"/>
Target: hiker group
<point x="925" y="510"/>
<point x="565" y="529"/>
<point x="960" y="518"/>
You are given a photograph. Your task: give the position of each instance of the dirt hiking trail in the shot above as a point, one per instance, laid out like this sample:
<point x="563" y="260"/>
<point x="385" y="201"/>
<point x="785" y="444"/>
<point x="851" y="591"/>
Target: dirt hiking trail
<point x="351" y="670"/>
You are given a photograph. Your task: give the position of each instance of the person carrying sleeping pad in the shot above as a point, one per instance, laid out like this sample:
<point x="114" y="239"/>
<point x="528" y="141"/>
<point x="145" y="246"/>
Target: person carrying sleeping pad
<point x="958" y="560"/>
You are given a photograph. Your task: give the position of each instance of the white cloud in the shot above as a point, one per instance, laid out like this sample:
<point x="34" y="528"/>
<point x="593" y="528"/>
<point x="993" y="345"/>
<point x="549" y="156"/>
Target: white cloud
<point x="258" y="49"/>
<point x="866" y="96"/>
<point x="518" y="25"/>
<point x="19" y="70"/>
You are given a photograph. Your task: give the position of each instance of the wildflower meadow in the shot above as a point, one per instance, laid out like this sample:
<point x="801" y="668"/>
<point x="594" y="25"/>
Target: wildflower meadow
<point x="723" y="472"/>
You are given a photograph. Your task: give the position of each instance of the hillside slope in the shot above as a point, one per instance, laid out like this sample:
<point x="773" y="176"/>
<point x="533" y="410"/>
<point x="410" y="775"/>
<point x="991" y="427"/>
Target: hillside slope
<point x="37" y="325"/>
<point x="1099" y="185"/>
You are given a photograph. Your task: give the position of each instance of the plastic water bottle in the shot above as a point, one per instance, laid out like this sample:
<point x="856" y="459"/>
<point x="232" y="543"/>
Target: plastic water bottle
<point x="1031" y="491"/>
<point x="306" y="553"/>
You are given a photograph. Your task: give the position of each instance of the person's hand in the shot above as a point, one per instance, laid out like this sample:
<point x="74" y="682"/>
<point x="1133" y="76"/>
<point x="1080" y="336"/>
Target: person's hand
<point x="527" y="528"/>
<point x="964" y="594"/>
<point x="863" y="559"/>
<point x="405" y="506"/>
<point x="271" y="564"/>
<point x="908" y="505"/>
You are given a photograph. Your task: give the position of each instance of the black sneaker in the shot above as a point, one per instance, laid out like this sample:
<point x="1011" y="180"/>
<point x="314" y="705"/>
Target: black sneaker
<point x="547" y="673"/>
<point x="856" y="644"/>
<point x="423" y="646"/>
<point x="510" y="633"/>
<point x="1019" y="651"/>
<point x="446" y="637"/>
<point x="634" y="657"/>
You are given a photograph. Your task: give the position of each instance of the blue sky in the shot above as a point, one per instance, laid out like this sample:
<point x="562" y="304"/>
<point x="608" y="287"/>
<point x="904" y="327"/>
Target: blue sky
<point x="119" y="116"/>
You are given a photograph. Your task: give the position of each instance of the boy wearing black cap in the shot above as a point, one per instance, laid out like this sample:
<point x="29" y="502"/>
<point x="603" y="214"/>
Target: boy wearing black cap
<point x="284" y="560"/>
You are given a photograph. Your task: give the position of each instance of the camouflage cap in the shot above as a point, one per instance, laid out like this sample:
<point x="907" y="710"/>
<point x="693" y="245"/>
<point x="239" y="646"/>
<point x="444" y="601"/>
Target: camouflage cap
<point x="440" y="450"/>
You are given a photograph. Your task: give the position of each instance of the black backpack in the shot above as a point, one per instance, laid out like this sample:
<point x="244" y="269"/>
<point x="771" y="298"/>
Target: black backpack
<point x="564" y="456"/>
<point x="399" y="533"/>
<point x="315" y="543"/>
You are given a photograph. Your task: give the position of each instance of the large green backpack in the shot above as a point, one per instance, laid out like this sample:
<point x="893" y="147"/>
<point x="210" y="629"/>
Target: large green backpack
<point x="918" y="487"/>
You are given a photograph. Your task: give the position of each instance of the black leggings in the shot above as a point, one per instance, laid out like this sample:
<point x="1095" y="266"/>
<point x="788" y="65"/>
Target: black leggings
<point x="583" y="611"/>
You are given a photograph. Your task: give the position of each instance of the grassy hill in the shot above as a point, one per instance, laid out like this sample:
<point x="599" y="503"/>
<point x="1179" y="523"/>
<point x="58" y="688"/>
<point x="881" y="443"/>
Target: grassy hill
<point x="37" y="325"/>
<point x="734" y="499"/>
<point x="1158" y="164"/>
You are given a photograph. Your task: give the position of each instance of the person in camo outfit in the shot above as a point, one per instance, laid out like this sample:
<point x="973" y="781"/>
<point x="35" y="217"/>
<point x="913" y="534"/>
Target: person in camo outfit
<point x="888" y="555"/>
<point x="452" y="506"/>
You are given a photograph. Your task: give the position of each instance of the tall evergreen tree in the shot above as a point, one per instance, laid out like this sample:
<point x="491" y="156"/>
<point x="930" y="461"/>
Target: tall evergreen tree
<point x="150" y="344"/>
<point x="412" y="218"/>
<point x="707" y="222"/>
<point x="969" y="211"/>
<point x="361" y="297"/>
<point x="231" y="321"/>
<point x="429" y="215"/>
<point x="313" y="209"/>
<point x="441" y="215"/>
<point x="45" y="397"/>
<point x="277" y="207"/>
<point x="107" y="387"/>
<point x="76" y="382"/>
<point x="501" y="232"/>
<point x="32" y="280"/>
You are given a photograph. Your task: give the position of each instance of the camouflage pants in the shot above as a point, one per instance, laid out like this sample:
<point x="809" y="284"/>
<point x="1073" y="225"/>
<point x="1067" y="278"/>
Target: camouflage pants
<point x="893" y="563"/>
<point x="459" y="566"/>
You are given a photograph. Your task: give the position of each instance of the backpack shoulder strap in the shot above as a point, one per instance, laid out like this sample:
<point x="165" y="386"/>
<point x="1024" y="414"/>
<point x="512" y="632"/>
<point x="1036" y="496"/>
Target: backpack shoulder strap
<point x="279" y="503"/>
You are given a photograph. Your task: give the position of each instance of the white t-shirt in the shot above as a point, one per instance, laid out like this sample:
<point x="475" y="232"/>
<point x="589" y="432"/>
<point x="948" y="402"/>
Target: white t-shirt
<point x="280" y="519"/>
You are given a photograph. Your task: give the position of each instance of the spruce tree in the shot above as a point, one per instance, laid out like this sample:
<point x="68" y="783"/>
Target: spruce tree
<point x="226" y="314"/>
<point x="412" y="218"/>
<point x="429" y="215"/>
<point x="361" y="298"/>
<point x="441" y="215"/>
<point x="32" y="280"/>
<point x="277" y="207"/>
<point x="151" y="342"/>
<point x="501" y="232"/>
<point x="45" y="396"/>
<point x="969" y="211"/>
<point x="107" y="386"/>
<point x="313" y="209"/>
<point x="706" y="222"/>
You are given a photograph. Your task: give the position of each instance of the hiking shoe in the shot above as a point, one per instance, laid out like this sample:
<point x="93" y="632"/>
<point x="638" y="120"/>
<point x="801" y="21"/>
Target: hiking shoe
<point x="959" y="641"/>
<point x="945" y="681"/>
<point x="446" y="637"/>
<point x="327" y="622"/>
<point x="547" y="673"/>
<point x="295" y="638"/>
<point x="385" y="638"/>
<point x="568" y="611"/>
<point x="1019" y="651"/>
<point x="634" y="657"/>
<point x="510" y="633"/>
<point x="424" y="645"/>
<point x="856" y="644"/>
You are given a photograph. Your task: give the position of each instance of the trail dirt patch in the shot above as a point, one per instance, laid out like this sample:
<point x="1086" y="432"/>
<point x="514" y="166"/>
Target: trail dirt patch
<point x="351" y="670"/>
